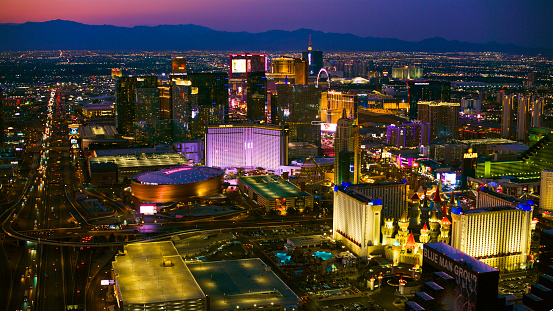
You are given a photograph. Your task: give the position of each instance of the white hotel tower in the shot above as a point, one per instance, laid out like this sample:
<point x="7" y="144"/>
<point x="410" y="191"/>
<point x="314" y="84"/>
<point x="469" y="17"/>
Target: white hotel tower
<point x="356" y="220"/>
<point x="498" y="236"/>
<point x="229" y="146"/>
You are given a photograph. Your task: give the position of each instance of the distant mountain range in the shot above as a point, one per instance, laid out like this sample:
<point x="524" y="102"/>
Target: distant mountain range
<point x="68" y="35"/>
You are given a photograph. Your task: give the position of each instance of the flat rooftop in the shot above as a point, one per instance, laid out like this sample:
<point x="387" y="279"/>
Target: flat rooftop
<point x="170" y="159"/>
<point x="457" y="255"/>
<point x="272" y="187"/>
<point x="142" y="277"/>
<point x="241" y="283"/>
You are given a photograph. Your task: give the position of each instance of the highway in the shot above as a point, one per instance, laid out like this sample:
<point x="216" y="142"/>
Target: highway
<point x="52" y="246"/>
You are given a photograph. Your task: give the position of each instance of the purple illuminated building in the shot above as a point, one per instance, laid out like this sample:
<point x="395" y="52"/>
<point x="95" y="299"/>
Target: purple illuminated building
<point x="408" y="135"/>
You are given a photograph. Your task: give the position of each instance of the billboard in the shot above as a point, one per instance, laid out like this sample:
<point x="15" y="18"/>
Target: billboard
<point x="328" y="127"/>
<point x="148" y="209"/>
<point x="107" y="282"/>
<point x="238" y="65"/>
<point x="472" y="284"/>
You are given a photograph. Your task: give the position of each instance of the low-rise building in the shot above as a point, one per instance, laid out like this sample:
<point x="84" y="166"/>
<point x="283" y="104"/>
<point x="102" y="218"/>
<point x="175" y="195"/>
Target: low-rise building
<point x="274" y="193"/>
<point x="153" y="276"/>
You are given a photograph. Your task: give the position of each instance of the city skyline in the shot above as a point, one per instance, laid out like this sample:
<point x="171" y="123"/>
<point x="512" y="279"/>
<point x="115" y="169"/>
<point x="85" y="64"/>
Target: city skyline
<point x="469" y="20"/>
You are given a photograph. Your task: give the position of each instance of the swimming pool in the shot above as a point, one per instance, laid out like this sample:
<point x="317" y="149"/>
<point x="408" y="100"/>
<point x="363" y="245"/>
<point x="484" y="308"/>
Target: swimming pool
<point x="323" y="255"/>
<point x="283" y="257"/>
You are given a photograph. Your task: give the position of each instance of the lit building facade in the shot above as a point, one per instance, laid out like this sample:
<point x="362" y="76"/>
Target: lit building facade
<point x="408" y="135"/>
<point x="546" y="190"/>
<point x="313" y="58"/>
<point x="392" y="194"/>
<point x="178" y="65"/>
<point x="356" y="220"/>
<point x="246" y="146"/>
<point x="498" y="236"/>
<point x="298" y="106"/>
<point x="289" y="70"/>
<point x="333" y="104"/>
<point x="523" y="117"/>
<point x="443" y="118"/>
<point x="507" y="115"/>
<point x="125" y="100"/>
<point x="426" y="91"/>
<point x="453" y="280"/>
<point x="347" y="159"/>
<point x="406" y="72"/>
<point x="256" y="96"/>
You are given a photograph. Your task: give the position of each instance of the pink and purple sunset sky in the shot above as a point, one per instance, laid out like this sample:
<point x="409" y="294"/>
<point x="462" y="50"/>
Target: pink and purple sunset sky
<point x="523" y="22"/>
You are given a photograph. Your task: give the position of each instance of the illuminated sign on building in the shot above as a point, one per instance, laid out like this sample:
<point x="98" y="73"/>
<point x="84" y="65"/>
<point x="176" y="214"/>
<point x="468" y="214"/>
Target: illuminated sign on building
<point x="148" y="209"/>
<point x="470" y="155"/>
<point x="238" y="66"/>
<point x="328" y="127"/>
<point x="472" y="283"/>
<point x="181" y="169"/>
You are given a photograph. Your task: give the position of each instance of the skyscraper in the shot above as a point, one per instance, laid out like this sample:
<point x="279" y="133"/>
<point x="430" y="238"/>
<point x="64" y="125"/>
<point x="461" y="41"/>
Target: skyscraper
<point x="443" y="118"/>
<point x="289" y="70"/>
<point x="546" y="190"/>
<point x="178" y="65"/>
<point x="346" y="151"/>
<point x="333" y="104"/>
<point x="148" y="127"/>
<point x="408" y="135"/>
<point x="356" y="220"/>
<point x="523" y="117"/>
<point x="256" y="96"/>
<point x="211" y="92"/>
<point x="426" y="91"/>
<point x="537" y="111"/>
<point x="498" y="236"/>
<point x="246" y="146"/>
<point x="507" y="116"/>
<point x="165" y="102"/>
<point x="298" y="106"/>
<point x="125" y="99"/>
<point x="314" y="59"/>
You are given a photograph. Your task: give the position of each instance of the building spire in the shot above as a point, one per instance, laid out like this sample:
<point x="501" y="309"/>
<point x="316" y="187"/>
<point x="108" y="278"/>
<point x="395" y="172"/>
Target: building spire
<point x="309" y="46"/>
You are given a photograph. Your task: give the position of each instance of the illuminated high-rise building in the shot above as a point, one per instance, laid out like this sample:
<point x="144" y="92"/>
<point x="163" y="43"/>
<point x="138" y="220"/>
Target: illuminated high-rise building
<point x="183" y="103"/>
<point x="346" y="151"/>
<point x="507" y="115"/>
<point x="333" y="104"/>
<point x="356" y="220"/>
<point x="443" y="118"/>
<point x="498" y="236"/>
<point x="116" y="73"/>
<point x="178" y="65"/>
<point x="426" y="91"/>
<point x="298" y="106"/>
<point x="256" y="96"/>
<point x="165" y="102"/>
<point x="546" y="190"/>
<point x="229" y="146"/>
<point x="125" y="99"/>
<point x="289" y="70"/>
<point x="408" y="135"/>
<point x="148" y="126"/>
<point x="406" y="73"/>
<point x="523" y="117"/>
<point x="537" y="111"/>
<point x="211" y="92"/>
<point x="313" y="58"/>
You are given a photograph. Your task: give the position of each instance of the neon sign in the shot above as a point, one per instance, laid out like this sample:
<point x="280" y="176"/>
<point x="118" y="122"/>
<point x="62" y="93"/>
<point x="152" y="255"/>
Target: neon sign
<point x="176" y="170"/>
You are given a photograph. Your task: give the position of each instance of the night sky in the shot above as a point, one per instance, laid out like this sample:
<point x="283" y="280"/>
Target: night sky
<point x="523" y="22"/>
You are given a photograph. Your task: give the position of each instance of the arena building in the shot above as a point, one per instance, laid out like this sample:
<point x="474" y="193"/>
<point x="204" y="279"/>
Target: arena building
<point x="177" y="184"/>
